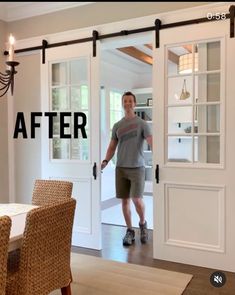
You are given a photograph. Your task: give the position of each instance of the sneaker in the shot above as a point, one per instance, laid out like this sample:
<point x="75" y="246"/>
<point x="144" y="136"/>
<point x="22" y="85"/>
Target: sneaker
<point x="129" y="237"/>
<point x="143" y="232"/>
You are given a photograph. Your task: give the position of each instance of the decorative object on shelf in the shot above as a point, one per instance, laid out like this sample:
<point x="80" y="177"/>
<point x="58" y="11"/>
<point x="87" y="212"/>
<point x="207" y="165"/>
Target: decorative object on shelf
<point x="7" y="79"/>
<point x="186" y="63"/>
<point x="149" y="102"/>
<point x="184" y="93"/>
<point x="189" y="129"/>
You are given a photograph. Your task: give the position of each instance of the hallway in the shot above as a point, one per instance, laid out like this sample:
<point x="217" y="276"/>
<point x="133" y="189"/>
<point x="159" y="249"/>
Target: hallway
<point x="113" y="215"/>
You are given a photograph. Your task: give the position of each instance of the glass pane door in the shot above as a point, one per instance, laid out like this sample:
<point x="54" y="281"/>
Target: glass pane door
<point x="70" y="93"/>
<point x="193" y="104"/>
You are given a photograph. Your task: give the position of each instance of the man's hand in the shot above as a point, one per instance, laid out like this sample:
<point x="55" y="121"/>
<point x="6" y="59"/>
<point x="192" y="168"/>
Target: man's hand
<point x="104" y="164"/>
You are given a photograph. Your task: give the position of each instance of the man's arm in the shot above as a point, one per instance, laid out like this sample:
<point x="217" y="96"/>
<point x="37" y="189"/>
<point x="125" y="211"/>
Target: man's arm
<point x="110" y="152"/>
<point x="149" y="140"/>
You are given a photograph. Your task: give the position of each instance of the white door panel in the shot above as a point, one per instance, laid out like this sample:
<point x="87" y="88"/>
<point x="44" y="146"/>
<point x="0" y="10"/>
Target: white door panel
<point x="193" y="199"/>
<point x="70" y="84"/>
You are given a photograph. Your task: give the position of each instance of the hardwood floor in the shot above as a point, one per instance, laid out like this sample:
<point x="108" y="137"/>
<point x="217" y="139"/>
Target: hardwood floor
<point x="142" y="254"/>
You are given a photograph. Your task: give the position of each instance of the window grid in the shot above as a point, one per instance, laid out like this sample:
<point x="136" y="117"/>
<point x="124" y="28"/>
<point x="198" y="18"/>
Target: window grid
<point x="81" y="105"/>
<point x="194" y="104"/>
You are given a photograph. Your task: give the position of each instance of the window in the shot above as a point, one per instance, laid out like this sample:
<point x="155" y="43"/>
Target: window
<point x="70" y="93"/>
<point x="193" y="104"/>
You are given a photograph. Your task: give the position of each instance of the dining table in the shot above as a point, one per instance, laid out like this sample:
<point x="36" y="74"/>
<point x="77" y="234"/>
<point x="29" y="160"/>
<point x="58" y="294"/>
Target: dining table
<point x="18" y="213"/>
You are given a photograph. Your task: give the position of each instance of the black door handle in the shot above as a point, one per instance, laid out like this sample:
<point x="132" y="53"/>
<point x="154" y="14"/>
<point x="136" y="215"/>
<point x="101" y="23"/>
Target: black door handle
<point x="157" y="173"/>
<point x="94" y="170"/>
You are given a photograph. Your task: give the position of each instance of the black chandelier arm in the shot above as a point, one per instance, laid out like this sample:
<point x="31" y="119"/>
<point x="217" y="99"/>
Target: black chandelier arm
<point x="4" y="75"/>
<point x="5" y="79"/>
<point x="5" y="85"/>
<point x="5" y="90"/>
<point x="4" y="82"/>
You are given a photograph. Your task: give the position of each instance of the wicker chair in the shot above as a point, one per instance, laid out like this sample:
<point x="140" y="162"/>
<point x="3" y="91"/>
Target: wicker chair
<point x="47" y="192"/>
<point x="43" y="262"/>
<point x="5" y="228"/>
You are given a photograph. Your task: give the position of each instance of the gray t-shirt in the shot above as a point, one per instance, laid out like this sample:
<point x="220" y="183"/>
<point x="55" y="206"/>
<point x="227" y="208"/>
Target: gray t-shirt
<point x="130" y="134"/>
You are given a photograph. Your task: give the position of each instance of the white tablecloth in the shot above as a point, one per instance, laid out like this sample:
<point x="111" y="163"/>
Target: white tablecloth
<point x="18" y="213"/>
<point x="12" y="209"/>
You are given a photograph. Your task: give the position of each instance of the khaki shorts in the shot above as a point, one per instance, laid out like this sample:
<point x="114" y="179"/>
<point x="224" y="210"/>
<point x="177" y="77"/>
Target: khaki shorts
<point x="130" y="182"/>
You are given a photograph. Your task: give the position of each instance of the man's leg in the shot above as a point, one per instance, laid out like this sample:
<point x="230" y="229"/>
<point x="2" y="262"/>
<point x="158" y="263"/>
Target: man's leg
<point x="140" y="209"/>
<point x="130" y="233"/>
<point x="127" y="212"/>
<point x="123" y="191"/>
<point x="137" y="178"/>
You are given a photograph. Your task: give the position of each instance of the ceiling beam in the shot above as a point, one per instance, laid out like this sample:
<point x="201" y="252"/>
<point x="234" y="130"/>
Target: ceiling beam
<point x="173" y="57"/>
<point x="150" y="46"/>
<point x="188" y="48"/>
<point x="138" y="54"/>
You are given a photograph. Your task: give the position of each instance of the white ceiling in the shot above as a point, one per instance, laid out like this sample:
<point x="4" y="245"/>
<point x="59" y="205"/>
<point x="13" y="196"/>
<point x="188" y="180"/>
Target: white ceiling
<point x="10" y="11"/>
<point x="124" y="61"/>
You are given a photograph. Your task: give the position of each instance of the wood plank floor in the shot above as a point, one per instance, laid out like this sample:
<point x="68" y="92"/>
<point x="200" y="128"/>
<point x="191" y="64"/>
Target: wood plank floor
<point x="142" y="254"/>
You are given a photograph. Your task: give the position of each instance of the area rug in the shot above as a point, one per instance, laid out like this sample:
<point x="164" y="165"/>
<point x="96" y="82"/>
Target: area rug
<point x="97" y="276"/>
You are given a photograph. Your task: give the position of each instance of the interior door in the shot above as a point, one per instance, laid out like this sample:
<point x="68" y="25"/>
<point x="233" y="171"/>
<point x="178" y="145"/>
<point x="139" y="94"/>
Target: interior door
<point x="194" y="144"/>
<point x="70" y="84"/>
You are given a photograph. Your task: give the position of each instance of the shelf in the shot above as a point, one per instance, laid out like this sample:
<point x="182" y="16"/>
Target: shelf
<point x="143" y="107"/>
<point x="183" y="122"/>
<point x="187" y="123"/>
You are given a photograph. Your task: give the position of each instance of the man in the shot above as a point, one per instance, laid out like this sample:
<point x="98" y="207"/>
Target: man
<point x="129" y="134"/>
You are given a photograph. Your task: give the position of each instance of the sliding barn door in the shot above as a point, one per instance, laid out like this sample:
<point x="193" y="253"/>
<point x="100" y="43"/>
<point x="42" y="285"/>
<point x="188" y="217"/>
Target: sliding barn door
<point x="70" y="84"/>
<point x="194" y="144"/>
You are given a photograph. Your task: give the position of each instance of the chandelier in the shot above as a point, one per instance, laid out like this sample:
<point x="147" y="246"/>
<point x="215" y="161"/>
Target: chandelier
<point x="7" y="78"/>
<point x="186" y="63"/>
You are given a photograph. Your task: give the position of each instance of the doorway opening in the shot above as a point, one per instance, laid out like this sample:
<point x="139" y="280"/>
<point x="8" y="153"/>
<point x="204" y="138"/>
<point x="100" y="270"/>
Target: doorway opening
<point x="126" y="65"/>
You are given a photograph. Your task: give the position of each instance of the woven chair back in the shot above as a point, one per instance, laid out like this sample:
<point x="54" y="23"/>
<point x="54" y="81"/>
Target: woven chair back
<point x="5" y="228"/>
<point x="45" y="253"/>
<point x="48" y="192"/>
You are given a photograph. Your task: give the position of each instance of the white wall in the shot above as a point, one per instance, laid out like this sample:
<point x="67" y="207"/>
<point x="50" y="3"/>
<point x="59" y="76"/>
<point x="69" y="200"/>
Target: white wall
<point x="113" y="76"/>
<point x="27" y="151"/>
<point x="4" y="192"/>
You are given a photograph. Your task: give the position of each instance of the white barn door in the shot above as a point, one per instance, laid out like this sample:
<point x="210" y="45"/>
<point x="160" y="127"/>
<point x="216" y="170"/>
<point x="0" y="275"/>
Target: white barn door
<point x="70" y="83"/>
<point x="194" y="145"/>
